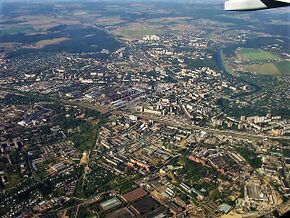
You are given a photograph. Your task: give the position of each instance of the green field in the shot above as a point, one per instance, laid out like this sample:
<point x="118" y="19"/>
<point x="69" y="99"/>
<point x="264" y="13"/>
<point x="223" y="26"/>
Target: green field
<point x="256" y="54"/>
<point x="137" y="33"/>
<point x="276" y="69"/>
<point x="116" y="8"/>
<point x="284" y="67"/>
<point x="16" y="30"/>
<point x="169" y="20"/>
<point x="110" y="20"/>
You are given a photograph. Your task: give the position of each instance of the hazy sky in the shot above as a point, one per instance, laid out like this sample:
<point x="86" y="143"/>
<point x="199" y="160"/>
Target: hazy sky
<point x="189" y="1"/>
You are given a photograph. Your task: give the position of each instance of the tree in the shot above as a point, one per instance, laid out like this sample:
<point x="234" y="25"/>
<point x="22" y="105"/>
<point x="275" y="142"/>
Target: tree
<point x="214" y="194"/>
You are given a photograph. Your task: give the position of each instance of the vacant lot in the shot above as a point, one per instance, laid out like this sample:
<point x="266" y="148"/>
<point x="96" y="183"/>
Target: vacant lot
<point x="256" y="54"/>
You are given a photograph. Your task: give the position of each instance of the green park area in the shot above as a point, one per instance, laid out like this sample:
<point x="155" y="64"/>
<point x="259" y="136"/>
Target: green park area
<point x="267" y="63"/>
<point x="256" y="54"/>
<point x="276" y="69"/>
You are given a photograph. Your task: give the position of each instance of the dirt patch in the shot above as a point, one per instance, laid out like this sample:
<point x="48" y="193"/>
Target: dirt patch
<point x="47" y="42"/>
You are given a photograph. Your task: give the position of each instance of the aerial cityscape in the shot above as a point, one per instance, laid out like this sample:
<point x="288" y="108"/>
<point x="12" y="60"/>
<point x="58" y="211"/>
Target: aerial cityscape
<point x="143" y="109"/>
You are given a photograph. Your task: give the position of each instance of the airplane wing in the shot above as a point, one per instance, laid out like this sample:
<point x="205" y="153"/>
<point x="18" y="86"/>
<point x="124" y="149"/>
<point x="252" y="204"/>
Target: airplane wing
<point x="252" y="5"/>
<point x="286" y="1"/>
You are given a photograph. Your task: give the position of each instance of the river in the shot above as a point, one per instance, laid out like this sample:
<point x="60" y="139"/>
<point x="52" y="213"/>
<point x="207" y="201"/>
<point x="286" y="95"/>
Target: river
<point x="221" y="65"/>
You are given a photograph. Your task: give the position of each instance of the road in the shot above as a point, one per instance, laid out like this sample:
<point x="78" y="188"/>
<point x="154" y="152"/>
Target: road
<point x="166" y="121"/>
<point x="187" y="125"/>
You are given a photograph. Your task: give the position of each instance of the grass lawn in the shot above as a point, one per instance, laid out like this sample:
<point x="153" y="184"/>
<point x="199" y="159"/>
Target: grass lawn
<point x="264" y="69"/>
<point x="284" y="68"/>
<point x="276" y="69"/>
<point x="256" y="54"/>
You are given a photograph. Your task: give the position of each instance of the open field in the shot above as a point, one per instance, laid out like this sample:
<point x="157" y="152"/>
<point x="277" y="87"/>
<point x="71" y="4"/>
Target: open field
<point x="169" y="20"/>
<point x="280" y="22"/>
<point x="284" y="67"/>
<point x="16" y="30"/>
<point x="264" y="69"/>
<point x="185" y="27"/>
<point x="115" y="8"/>
<point x="47" y="42"/>
<point x="6" y="45"/>
<point x="276" y="69"/>
<point x="80" y="13"/>
<point x="110" y="20"/>
<point x="140" y="6"/>
<point x="138" y="33"/>
<point x="45" y="22"/>
<point x="256" y="54"/>
<point x="201" y="23"/>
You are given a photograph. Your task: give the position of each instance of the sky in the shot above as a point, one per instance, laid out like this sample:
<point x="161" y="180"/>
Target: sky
<point x="145" y="1"/>
<point x="188" y="1"/>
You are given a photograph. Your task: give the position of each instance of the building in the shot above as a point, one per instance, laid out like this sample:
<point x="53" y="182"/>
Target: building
<point x="134" y="195"/>
<point x="110" y="204"/>
<point x="225" y="208"/>
<point x="120" y="213"/>
<point x="145" y="205"/>
<point x="151" y="38"/>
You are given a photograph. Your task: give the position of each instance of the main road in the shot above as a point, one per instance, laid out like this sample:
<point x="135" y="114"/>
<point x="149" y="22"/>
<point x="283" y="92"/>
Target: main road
<point x="187" y="125"/>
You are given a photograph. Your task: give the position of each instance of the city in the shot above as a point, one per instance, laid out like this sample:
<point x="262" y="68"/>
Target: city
<point x="112" y="109"/>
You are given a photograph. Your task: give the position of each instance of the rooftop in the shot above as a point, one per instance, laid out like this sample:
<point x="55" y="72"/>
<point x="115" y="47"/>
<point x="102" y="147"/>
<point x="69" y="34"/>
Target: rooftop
<point x="134" y="195"/>
<point x="109" y="204"/>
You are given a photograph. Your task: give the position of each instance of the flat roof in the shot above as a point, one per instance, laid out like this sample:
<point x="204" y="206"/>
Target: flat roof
<point x="121" y="213"/>
<point x="134" y="195"/>
<point x="145" y="205"/>
<point x="111" y="203"/>
<point x="225" y="208"/>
